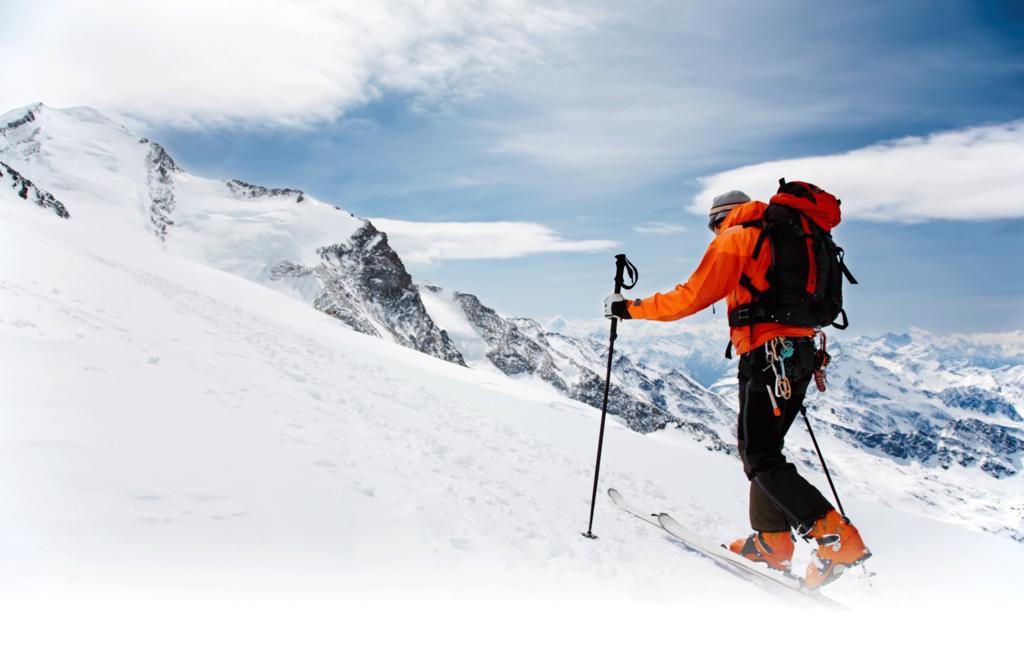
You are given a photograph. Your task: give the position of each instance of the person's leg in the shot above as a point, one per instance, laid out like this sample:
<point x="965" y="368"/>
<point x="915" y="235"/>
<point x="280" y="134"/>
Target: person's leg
<point x="780" y="495"/>
<point x="765" y="516"/>
<point x="776" y="487"/>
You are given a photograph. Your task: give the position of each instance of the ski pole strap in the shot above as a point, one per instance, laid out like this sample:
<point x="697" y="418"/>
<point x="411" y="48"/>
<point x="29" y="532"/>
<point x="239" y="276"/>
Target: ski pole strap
<point x="622" y="264"/>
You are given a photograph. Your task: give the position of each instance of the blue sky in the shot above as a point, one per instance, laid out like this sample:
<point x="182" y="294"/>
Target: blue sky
<point x="602" y="122"/>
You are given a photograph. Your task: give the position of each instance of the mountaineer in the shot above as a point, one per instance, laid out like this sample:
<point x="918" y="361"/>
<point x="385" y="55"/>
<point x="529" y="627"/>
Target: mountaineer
<point x="781" y="275"/>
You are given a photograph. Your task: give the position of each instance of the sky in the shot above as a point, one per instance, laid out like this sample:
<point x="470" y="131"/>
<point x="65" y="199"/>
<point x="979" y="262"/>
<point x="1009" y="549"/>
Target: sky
<point x="511" y="149"/>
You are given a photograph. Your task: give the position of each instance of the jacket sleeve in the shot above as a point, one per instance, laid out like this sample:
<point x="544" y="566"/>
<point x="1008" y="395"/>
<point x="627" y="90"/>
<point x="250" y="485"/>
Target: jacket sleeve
<point x="717" y="275"/>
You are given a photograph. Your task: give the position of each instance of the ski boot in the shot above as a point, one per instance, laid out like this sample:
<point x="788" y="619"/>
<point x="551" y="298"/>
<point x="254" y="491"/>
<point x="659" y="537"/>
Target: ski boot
<point x="773" y="548"/>
<point x="839" y="547"/>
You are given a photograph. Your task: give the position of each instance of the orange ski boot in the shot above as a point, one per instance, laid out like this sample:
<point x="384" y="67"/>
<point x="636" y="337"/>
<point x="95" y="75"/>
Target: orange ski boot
<point x="773" y="548"/>
<point x="839" y="547"/>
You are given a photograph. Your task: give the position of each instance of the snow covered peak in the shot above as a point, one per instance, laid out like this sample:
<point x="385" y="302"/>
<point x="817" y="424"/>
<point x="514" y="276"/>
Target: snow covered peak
<point x="122" y="185"/>
<point x="90" y="163"/>
<point x="363" y="283"/>
<point x="117" y="180"/>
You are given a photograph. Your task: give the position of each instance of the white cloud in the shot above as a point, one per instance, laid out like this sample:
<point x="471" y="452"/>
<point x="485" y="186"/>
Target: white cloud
<point x="428" y="242"/>
<point x="209" y="62"/>
<point x="971" y="174"/>
<point x="660" y="229"/>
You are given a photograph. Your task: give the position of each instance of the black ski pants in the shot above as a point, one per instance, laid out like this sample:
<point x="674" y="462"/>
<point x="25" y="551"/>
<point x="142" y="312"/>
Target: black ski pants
<point x="780" y="498"/>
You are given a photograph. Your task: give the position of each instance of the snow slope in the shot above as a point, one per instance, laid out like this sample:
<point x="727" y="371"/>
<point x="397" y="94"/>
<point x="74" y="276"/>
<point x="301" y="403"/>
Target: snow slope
<point x="173" y="419"/>
<point x="168" y="425"/>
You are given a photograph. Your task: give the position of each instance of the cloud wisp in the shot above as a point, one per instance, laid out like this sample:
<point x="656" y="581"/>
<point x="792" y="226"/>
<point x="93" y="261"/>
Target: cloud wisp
<point x="970" y="174"/>
<point x="195" y="63"/>
<point x="429" y="242"/>
<point x="660" y="229"/>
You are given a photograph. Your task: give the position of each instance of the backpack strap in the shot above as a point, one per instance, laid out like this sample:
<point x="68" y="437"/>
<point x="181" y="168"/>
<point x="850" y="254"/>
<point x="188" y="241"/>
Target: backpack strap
<point x="760" y="239"/>
<point x="749" y="285"/>
<point x="846" y="270"/>
<point x="749" y="313"/>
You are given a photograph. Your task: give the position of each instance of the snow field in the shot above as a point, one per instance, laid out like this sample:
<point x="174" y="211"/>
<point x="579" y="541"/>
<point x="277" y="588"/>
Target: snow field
<point x="168" y="426"/>
<point x="180" y="442"/>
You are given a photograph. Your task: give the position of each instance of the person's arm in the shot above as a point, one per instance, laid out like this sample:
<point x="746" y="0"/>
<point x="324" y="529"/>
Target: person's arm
<point x="717" y="275"/>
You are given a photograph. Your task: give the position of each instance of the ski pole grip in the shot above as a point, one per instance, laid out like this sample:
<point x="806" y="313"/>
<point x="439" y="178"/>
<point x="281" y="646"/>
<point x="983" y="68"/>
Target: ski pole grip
<point x="620" y="268"/>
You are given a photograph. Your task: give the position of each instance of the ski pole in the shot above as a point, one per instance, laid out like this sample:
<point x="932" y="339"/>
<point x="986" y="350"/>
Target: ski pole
<point x="621" y="264"/>
<point x="821" y="458"/>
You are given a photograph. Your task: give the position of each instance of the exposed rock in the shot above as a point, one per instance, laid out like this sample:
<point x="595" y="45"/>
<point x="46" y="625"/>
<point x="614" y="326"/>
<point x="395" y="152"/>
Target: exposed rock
<point x="518" y="346"/>
<point x="994" y="448"/>
<point x="974" y="398"/>
<point x="28" y="117"/>
<point x="365" y="285"/>
<point x="26" y="190"/>
<point x="242" y="189"/>
<point x="160" y="170"/>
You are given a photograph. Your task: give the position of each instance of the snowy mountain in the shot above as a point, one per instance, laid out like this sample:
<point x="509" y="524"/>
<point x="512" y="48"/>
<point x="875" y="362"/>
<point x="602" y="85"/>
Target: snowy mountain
<point x="645" y="400"/>
<point x="341" y="264"/>
<point x="178" y="418"/>
<point x="912" y="399"/>
<point x="932" y="426"/>
<point x="930" y="423"/>
<point x="364" y="283"/>
<point x="935" y="400"/>
<point x="172" y="428"/>
<point x="277" y="237"/>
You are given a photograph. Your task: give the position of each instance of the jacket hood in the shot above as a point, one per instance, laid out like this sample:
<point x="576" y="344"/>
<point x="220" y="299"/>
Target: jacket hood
<point x="747" y="212"/>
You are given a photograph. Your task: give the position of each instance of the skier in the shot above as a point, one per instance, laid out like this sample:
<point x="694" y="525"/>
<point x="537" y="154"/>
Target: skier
<point x="776" y="363"/>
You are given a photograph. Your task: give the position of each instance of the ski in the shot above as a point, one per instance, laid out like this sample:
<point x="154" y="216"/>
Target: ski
<point x="739" y="566"/>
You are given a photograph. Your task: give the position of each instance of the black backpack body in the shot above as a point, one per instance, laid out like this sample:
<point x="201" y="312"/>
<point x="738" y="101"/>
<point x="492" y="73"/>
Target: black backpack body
<point x="805" y="279"/>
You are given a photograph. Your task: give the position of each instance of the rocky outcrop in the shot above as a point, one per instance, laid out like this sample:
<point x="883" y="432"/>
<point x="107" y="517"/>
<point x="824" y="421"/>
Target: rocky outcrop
<point x="160" y="171"/>
<point x="980" y="400"/>
<point x="366" y="286"/>
<point x="28" y="117"/>
<point x="509" y="349"/>
<point x="28" y="143"/>
<point x="242" y="189"/>
<point x="26" y="190"/>
<point x="576" y="367"/>
<point x="910" y="436"/>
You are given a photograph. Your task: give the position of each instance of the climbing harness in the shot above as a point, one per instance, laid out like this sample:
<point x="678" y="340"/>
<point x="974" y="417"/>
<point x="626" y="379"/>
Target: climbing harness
<point x="777" y="351"/>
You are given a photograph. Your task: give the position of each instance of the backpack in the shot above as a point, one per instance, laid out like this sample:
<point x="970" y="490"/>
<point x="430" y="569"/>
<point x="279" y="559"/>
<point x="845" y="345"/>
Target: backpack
<point x="805" y="280"/>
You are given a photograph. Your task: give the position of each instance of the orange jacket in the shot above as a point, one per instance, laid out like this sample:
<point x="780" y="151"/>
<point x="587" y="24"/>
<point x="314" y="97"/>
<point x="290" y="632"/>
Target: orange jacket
<point x="718" y="276"/>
